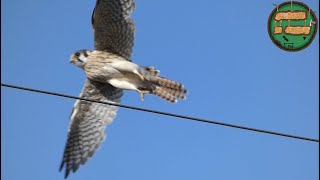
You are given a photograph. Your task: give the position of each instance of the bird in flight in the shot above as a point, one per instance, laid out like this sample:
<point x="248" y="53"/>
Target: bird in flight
<point x="109" y="71"/>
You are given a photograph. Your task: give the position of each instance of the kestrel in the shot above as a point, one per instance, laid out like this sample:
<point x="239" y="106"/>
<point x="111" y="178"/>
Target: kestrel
<point x="109" y="71"/>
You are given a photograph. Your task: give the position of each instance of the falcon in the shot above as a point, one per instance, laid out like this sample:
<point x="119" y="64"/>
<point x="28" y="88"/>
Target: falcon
<point x="109" y="70"/>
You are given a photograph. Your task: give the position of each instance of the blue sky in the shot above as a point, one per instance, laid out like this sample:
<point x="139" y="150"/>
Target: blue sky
<point x="220" y="51"/>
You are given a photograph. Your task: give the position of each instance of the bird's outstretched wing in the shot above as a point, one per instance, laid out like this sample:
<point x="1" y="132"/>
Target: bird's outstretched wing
<point x="113" y="27"/>
<point x="113" y="32"/>
<point x="88" y="121"/>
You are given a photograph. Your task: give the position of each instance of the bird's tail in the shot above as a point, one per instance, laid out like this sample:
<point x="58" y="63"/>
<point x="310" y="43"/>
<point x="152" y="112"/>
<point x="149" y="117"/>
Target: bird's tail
<point x="165" y="88"/>
<point x="168" y="89"/>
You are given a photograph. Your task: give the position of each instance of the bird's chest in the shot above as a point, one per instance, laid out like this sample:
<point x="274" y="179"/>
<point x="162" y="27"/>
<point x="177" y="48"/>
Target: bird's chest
<point x="102" y="72"/>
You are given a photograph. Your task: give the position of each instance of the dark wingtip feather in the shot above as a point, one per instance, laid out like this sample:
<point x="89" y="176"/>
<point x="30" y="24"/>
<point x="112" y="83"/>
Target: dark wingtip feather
<point x="67" y="173"/>
<point x="61" y="166"/>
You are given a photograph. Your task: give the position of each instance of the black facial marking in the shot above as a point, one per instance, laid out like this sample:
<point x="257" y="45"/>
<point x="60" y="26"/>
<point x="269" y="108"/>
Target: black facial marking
<point x="85" y="54"/>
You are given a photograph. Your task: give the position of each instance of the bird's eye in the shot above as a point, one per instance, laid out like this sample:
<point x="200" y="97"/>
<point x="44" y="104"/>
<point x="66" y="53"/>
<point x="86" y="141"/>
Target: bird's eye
<point x="77" y="54"/>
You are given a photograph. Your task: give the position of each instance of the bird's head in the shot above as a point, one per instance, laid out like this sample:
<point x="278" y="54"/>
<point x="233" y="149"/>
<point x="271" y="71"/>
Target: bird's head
<point x="80" y="58"/>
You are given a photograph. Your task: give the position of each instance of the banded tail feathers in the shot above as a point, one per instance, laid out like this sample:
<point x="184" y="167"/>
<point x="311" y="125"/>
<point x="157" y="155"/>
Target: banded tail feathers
<point x="168" y="89"/>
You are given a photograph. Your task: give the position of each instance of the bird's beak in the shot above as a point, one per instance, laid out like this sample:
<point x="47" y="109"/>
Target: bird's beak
<point x="71" y="59"/>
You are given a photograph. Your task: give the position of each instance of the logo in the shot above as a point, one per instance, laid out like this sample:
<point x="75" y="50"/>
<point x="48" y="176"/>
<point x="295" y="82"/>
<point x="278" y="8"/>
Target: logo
<point x="292" y="26"/>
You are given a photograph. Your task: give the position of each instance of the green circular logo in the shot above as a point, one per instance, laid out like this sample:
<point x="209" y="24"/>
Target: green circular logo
<point x="292" y="26"/>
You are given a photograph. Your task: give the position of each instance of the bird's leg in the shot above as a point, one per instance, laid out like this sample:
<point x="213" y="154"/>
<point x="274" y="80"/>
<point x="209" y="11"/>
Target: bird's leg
<point x="142" y="92"/>
<point x="140" y="75"/>
<point x="142" y="96"/>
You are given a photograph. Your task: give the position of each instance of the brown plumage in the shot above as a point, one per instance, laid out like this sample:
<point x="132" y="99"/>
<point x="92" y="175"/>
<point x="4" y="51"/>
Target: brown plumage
<point x="178" y="93"/>
<point x="113" y="32"/>
<point x="167" y="89"/>
<point x="168" y="83"/>
<point x="171" y="95"/>
<point x="109" y="70"/>
<point x="161" y="92"/>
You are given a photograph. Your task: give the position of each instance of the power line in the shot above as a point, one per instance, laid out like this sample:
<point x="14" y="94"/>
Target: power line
<point x="162" y="113"/>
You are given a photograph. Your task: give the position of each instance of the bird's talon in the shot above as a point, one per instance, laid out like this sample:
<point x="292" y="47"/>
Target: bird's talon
<point x="142" y="96"/>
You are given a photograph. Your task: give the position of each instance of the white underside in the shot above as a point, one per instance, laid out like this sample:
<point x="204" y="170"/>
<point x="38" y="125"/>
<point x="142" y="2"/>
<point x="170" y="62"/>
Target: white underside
<point x="122" y="84"/>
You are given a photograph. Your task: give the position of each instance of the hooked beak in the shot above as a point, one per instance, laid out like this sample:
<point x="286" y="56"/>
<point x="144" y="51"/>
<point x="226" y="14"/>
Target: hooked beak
<point x="71" y="60"/>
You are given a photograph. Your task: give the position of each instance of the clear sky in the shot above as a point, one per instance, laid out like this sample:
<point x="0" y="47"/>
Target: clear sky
<point x="220" y="51"/>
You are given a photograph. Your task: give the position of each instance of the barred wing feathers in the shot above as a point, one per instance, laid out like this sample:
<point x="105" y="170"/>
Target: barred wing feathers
<point x="88" y="122"/>
<point x="113" y="27"/>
